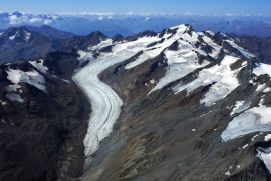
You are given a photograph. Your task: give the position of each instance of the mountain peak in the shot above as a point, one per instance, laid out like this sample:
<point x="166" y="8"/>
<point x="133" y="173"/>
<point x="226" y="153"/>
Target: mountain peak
<point x="182" y="27"/>
<point x="18" y="13"/>
<point x="97" y="34"/>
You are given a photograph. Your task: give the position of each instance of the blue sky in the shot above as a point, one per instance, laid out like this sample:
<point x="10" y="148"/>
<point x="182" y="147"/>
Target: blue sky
<point x="253" y="7"/>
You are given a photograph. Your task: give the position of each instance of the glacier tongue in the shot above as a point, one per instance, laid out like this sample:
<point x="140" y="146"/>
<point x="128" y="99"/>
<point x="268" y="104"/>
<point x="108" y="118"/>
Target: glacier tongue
<point x="105" y="103"/>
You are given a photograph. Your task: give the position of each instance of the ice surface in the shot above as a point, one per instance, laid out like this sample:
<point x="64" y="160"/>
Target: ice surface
<point x="3" y="102"/>
<point x="13" y="36"/>
<point x="14" y="97"/>
<point x="228" y="173"/>
<point x="39" y="65"/>
<point x="103" y="43"/>
<point x="210" y="32"/>
<point x="180" y="64"/>
<point x="31" y="77"/>
<point x="224" y="81"/>
<point x="265" y="156"/>
<point x="81" y="54"/>
<point x="240" y="107"/>
<point x="262" y="69"/>
<point x="154" y="51"/>
<point x="267" y="137"/>
<point x="253" y="120"/>
<point x="13" y="88"/>
<point x="240" y="49"/>
<point x="216" y="48"/>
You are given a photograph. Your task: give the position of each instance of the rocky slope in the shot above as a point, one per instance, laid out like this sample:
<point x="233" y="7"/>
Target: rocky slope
<point x="196" y="106"/>
<point x="261" y="47"/>
<point x="42" y="120"/>
<point x="22" y="43"/>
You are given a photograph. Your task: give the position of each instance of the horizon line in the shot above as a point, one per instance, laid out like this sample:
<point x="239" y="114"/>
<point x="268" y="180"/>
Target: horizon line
<point x="144" y="14"/>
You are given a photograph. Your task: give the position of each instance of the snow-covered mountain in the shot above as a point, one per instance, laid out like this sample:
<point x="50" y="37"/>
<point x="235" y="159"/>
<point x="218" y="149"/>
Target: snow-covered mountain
<point x="174" y="105"/>
<point x="167" y="105"/>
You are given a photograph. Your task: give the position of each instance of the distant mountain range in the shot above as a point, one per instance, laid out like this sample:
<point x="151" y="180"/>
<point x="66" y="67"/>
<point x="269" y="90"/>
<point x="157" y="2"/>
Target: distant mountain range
<point x="28" y="42"/>
<point x="130" y="23"/>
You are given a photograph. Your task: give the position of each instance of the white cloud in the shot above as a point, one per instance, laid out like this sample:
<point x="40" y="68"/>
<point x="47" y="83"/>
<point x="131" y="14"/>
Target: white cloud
<point x="35" y="20"/>
<point x="47" y="21"/>
<point x="14" y="20"/>
<point x="28" y="19"/>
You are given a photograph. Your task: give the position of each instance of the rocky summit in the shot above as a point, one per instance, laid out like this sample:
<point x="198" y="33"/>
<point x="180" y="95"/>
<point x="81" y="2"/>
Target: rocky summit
<point x="172" y="105"/>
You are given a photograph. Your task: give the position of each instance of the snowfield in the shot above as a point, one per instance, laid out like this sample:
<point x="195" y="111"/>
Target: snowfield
<point x="224" y="81"/>
<point x="253" y="120"/>
<point x="31" y="77"/>
<point x="265" y="156"/>
<point x="180" y="63"/>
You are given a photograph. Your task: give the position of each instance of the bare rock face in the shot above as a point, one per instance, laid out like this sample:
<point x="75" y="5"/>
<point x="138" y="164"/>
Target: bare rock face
<point x="43" y="120"/>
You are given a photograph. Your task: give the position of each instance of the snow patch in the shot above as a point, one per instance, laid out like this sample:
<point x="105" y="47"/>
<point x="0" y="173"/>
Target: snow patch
<point x="253" y="120"/>
<point x="14" y="97"/>
<point x="267" y="137"/>
<point x="216" y="48"/>
<point x="240" y="106"/>
<point x="240" y="49"/>
<point x="228" y="173"/>
<point x="103" y="43"/>
<point x="154" y="51"/>
<point x="180" y="63"/>
<point x="245" y="146"/>
<point x="255" y="136"/>
<point x="13" y="88"/>
<point x="13" y="36"/>
<point x="31" y="77"/>
<point x="81" y="54"/>
<point x="39" y="65"/>
<point x="210" y="32"/>
<point x="27" y="36"/>
<point x="262" y="69"/>
<point x="3" y="103"/>
<point x="265" y="156"/>
<point x="224" y="81"/>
